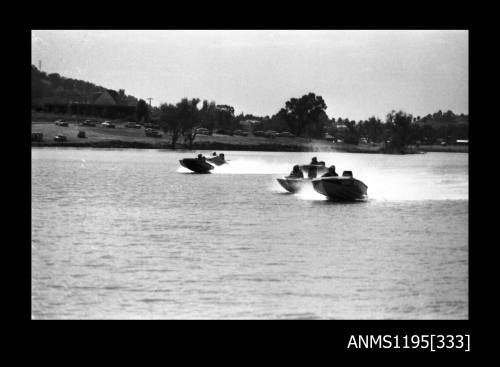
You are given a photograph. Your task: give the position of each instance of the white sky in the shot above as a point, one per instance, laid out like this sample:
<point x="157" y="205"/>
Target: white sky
<point x="358" y="73"/>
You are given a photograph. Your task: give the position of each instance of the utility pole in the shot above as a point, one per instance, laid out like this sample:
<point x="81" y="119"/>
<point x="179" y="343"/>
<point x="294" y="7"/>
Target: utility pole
<point x="40" y="65"/>
<point x="149" y="100"/>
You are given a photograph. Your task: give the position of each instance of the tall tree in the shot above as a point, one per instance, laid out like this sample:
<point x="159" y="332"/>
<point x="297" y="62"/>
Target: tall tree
<point x="189" y="116"/>
<point x="303" y="111"/>
<point x="180" y="120"/>
<point x="373" y="129"/>
<point x="169" y="122"/>
<point x="225" y="117"/>
<point x="208" y="116"/>
<point x="400" y="124"/>
<point x="142" y="111"/>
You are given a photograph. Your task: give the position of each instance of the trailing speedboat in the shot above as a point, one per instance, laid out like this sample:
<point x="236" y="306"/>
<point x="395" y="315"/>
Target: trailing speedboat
<point x="309" y="171"/>
<point x="217" y="160"/>
<point x="292" y="184"/>
<point x="341" y="188"/>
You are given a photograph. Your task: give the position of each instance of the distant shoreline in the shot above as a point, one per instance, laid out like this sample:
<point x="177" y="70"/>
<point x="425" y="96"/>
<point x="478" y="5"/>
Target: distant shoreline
<point x="121" y="137"/>
<point x="346" y="148"/>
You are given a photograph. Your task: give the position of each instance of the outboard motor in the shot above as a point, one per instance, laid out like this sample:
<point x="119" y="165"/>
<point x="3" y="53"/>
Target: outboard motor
<point x="347" y="174"/>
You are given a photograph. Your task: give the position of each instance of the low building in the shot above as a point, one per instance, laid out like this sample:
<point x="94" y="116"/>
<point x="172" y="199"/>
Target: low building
<point x="248" y="124"/>
<point x="108" y="97"/>
<point x="340" y="127"/>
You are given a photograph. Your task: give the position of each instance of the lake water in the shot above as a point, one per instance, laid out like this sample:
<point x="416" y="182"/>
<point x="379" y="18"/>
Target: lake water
<point x="131" y="234"/>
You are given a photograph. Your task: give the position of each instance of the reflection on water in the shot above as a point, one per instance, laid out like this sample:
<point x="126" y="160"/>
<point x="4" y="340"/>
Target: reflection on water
<point x="124" y="234"/>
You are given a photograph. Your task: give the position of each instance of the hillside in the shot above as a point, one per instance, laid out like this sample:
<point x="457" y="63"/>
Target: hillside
<point x="54" y="88"/>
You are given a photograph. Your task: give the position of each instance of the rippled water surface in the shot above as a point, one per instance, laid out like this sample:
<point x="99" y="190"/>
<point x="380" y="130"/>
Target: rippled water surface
<point x="130" y="234"/>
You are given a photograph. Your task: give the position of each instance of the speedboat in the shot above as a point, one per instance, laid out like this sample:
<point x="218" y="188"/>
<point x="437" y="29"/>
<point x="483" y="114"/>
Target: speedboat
<point x="341" y="188"/>
<point x="202" y="164"/>
<point x="295" y="184"/>
<point x="196" y="165"/>
<point x="217" y="160"/>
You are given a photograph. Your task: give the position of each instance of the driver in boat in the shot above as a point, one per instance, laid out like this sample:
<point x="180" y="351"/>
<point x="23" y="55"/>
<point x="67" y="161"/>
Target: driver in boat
<point x="331" y="172"/>
<point x="217" y="159"/>
<point x="314" y="160"/>
<point x="296" y="172"/>
<point x="312" y="172"/>
<point x="201" y="157"/>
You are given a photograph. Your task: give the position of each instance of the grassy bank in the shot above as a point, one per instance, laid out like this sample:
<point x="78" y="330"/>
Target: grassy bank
<point x="445" y="148"/>
<point x="122" y="137"/>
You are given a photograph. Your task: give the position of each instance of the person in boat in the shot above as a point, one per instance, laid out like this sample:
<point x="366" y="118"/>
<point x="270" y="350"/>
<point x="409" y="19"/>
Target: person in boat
<point x="214" y="154"/>
<point x="331" y="172"/>
<point x="201" y="157"/>
<point x="217" y="159"/>
<point x="312" y="172"/>
<point x="314" y="160"/>
<point x="296" y="172"/>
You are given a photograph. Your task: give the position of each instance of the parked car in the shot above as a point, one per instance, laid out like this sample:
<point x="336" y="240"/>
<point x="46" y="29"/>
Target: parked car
<point x="61" y="123"/>
<point x="152" y="125"/>
<point x="153" y="133"/>
<point x="88" y="123"/>
<point x="259" y="133"/>
<point x="36" y="137"/>
<point x="81" y="134"/>
<point x="60" y="138"/>
<point x="285" y="134"/>
<point x="240" y="132"/>
<point x="133" y="125"/>
<point x="270" y="134"/>
<point x="225" y="132"/>
<point x="202" y="131"/>
<point x="108" y="124"/>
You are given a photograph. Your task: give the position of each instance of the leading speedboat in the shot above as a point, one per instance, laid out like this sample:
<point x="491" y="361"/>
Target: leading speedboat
<point x="196" y="165"/>
<point x="341" y="188"/>
<point x="309" y="171"/>
<point x="203" y="164"/>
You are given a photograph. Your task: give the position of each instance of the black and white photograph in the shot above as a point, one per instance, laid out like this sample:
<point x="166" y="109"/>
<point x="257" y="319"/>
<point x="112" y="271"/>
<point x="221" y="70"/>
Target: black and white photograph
<point x="249" y="174"/>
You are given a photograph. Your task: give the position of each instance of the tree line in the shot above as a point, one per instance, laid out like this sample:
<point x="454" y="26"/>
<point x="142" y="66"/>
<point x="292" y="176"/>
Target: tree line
<point x="305" y="117"/>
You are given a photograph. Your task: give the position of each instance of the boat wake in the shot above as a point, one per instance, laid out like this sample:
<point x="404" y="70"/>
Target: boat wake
<point x="308" y="193"/>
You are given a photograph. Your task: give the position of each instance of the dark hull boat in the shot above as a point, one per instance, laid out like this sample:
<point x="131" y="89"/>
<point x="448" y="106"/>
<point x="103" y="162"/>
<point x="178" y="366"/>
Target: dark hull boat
<point x="196" y="165"/>
<point x="295" y="184"/>
<point x="343" y="188"/>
